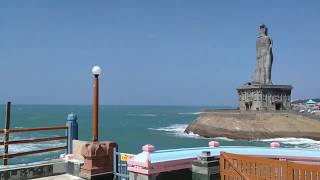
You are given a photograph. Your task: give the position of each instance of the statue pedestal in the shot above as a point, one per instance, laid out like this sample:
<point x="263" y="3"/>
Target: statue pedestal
<point x="98" y="160"/>
<point x="264" y="97"/>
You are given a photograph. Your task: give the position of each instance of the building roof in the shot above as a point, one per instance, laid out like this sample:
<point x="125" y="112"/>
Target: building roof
<point x="311" y="102"/>
<point x="186" y="153"/>
<point x="264" y="86"/>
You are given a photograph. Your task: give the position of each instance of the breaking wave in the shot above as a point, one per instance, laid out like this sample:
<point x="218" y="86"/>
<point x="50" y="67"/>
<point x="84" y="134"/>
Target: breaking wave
<point x="296" y="142"/>
<point x="223" y="139"/>
<point x="144" y="115"/>
<point x="14" y="148"/>
<point x="34" y="146"/>
<point x="178" y="130"/>
<point x="190" y="113"/>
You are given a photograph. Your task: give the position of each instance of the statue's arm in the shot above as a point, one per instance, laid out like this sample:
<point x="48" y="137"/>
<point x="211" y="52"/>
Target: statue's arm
<point x="257" y="50"/>
<point x="271" y="42"/>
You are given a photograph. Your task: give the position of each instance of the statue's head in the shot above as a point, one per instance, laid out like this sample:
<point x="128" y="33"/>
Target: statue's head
<point x="263" y="30"/>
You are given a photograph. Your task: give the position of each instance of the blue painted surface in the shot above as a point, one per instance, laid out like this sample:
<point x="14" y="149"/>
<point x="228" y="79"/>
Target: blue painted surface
<point x="185" y="153"/>
<point x="120" y="167"/>
<point x="72" y="132"/>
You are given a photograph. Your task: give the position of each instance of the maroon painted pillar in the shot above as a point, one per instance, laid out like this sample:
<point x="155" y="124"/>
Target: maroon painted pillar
<point x="98" y="156"/>
<point x="95" y="117"/>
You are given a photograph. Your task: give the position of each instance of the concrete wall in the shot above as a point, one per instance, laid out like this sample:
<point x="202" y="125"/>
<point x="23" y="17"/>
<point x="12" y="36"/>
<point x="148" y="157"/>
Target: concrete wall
<point x="264" y="98"/>
<point x="33" y="170"/>
<point x="205" y="167"/>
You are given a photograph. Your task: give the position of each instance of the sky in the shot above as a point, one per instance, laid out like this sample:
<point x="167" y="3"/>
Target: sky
<point x="168" y="52"/>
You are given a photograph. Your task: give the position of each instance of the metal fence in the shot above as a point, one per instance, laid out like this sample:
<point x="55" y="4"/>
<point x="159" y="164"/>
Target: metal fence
<point x="120" y="165"/>
<point x="71" y="133"/>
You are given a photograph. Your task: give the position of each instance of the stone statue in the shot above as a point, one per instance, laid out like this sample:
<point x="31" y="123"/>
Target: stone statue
<point x="260" y="94"/>
<point x="264" y="57"/>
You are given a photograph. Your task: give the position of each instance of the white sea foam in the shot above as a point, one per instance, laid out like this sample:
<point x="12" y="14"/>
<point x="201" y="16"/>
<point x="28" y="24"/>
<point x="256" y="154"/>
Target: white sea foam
<point x="34" y="146"/>
<point x="172" y="128"/>
<point x="178" y="130"/>
<point x="291" y="140"/>
<point x="14" y="148"/>
<point x="223" y="139"/>
<point x="190" y="113"/>
<point x="295" y="141"/>
<point x="144" y="115"/>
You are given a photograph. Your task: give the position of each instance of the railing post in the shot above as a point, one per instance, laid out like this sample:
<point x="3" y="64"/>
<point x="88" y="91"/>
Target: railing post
<point x="72" y="131"/>
<point x="115" y="163"/>
<point x="6" y="134"/>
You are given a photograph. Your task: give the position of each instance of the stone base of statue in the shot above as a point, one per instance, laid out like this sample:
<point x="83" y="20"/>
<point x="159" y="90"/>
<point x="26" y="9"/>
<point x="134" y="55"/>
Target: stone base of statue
<point x="265" y="97"/>
<point x="98" y="160"/>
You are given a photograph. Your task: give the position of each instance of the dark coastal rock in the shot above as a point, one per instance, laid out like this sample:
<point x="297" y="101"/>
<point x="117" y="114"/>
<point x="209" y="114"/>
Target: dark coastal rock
<point x="252" y="125"/>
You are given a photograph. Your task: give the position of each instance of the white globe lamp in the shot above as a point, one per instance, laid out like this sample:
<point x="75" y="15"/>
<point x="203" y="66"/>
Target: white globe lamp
<point x="96" y="70"/>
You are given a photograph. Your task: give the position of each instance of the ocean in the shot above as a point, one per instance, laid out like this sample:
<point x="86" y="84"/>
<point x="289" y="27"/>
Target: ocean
<point x="130" y="126"/>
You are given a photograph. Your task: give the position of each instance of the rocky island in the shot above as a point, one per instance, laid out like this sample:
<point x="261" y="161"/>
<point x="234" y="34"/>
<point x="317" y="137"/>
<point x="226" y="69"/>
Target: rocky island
<point x="264" y="108"/>
<point x="250" y="125"/>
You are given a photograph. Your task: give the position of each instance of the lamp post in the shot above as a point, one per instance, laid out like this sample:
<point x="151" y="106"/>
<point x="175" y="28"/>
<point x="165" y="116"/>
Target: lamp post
<point x="96" y="71"/>
<point x="98" y="156"/>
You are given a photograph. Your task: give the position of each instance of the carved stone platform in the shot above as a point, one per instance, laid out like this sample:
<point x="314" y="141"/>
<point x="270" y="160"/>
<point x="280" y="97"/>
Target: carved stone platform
<point x="98" y="160"/>
<point x="264" y="97"/>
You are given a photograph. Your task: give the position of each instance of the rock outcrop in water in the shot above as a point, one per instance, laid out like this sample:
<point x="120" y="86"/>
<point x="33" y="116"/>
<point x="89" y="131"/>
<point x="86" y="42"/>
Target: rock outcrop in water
<point x="251" y="125"/>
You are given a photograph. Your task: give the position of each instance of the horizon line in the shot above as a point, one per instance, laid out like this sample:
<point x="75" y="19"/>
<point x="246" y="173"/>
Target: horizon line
<point x="40" y="104"/>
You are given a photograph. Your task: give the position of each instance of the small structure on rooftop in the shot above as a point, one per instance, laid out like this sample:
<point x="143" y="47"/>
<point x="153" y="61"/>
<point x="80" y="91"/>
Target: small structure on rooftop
<point x="260" y="93"/>
<point x="311" y="104"/>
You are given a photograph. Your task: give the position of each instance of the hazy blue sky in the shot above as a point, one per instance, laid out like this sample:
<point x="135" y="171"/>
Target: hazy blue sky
<point x="164" y="52"/>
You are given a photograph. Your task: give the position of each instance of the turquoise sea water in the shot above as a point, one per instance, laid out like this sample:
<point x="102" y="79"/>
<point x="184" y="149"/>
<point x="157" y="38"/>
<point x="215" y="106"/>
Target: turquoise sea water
<point x="130" y="126"/>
